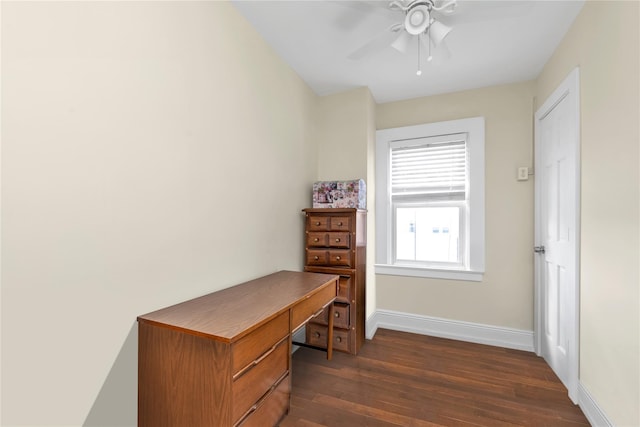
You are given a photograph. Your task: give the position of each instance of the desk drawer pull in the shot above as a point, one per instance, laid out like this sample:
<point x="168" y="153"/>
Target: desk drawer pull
<point x="264" y="356"/>
<point x="258" y="360"/>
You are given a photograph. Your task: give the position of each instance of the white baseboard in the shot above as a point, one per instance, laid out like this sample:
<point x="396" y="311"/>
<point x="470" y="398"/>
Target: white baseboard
<point x="453" y="329"/>
<point x="590" y="408"/>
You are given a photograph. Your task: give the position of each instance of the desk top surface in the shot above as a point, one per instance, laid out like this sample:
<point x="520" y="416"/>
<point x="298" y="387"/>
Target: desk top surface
<point x="231" y="313"/>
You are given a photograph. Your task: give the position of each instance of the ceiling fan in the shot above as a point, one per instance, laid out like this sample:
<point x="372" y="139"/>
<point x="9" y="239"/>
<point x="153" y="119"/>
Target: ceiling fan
<point x="419" y="23"/>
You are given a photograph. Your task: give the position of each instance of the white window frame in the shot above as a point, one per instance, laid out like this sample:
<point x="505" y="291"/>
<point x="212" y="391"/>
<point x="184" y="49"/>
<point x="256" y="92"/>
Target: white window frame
<point x="472" y="268"/>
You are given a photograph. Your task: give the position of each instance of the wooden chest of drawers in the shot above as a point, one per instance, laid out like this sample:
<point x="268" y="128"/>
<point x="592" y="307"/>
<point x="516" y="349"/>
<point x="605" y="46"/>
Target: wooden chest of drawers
<point x="335" y="243"/>
<point x="224" y="359"/>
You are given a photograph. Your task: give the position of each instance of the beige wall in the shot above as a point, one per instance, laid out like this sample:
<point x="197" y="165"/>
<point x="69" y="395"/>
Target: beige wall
<point x="604" y="43"/>
<point x="148" y="157"/>
<point x="345" y="131"/>
<point x="151" y="152"/>
<point x="505" y="297"/>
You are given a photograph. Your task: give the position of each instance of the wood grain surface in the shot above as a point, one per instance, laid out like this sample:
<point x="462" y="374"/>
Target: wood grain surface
<point x="231" y="313"/>
<point x="402" y="379"/>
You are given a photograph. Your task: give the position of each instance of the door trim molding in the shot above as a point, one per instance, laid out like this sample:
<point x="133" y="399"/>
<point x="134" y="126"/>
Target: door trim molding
<point x="570" y="85"/>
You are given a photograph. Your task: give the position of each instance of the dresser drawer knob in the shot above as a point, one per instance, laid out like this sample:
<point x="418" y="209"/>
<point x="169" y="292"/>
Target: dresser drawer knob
<point x="336" y="314"/>
<point x="317" y="334"/>
<point x="340" y="224"/>
<point x="317" y="222"/>
<point x="338" y="240"/>
<point x="339" y="339"/>
<point x="316" y="258"/>
<point x="316" y="240"/>
<point x="338" y="258"/>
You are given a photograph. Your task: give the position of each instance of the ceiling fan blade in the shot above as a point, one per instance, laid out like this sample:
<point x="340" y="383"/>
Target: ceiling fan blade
<point x="352" y="14"/>
<point x="378" y="43"/>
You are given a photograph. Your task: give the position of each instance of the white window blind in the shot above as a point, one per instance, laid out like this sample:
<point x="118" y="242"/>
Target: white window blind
<point x="432" y="168"/>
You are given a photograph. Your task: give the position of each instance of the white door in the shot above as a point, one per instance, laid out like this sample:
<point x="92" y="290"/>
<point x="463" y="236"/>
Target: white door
<point x="557" y="231"/>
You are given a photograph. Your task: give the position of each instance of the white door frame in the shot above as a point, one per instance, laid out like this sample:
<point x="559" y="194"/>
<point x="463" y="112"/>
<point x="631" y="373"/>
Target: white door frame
<point x="570" y="86"/>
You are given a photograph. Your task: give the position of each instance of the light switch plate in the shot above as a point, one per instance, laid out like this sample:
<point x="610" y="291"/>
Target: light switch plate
<point x="523" y="174"/>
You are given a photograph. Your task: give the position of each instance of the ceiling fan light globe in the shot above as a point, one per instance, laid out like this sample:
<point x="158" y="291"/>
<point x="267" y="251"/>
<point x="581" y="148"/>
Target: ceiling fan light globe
<point x="417" y="20"/>
<point x="401" y="44"/>
<point x="438" y="31"/>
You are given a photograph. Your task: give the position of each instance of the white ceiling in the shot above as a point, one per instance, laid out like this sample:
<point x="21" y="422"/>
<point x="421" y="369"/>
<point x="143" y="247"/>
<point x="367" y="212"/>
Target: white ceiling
<point x="492" y="42"/>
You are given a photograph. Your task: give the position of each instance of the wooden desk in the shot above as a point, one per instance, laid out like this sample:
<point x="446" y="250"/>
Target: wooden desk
<point x="224" y="359"/>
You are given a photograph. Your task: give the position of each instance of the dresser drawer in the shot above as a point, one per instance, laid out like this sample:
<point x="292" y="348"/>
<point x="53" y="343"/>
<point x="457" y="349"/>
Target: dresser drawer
<point x="251" y="347"/>
<point x="318" y="223"/>
<point x="271" y="408"/>
<point x="340" y="316"/>
<point x="317" y="257"/>
<point x="346" y="282"/>
<point x="338" y="240"/>
<point x="339" y="257"/>
<point x="344" y="288"/>
<point x="329" y="257"/>
<point x="317" y="239"/>
<point x="328" y="223"/>
<point x="340" y="223"/>
<point x="252" y="384"/>
<point x="305" y="310"/>
<point x="317" y="336"/>
<point x="333" y="240"/>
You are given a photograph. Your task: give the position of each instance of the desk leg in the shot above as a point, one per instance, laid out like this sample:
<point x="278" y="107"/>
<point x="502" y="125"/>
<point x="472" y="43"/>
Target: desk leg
<point x="330" y="333"/>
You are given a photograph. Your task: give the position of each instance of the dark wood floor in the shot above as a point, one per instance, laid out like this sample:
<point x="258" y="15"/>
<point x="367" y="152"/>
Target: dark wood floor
<point x="402" y="379"/>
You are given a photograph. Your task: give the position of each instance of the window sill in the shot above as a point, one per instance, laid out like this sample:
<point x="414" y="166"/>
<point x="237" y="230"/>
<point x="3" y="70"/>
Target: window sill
<point x="432" y="273"/>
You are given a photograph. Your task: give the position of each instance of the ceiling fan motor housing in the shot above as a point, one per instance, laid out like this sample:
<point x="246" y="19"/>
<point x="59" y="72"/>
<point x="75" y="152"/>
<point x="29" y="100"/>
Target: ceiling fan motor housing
<point x="417" y="17"/>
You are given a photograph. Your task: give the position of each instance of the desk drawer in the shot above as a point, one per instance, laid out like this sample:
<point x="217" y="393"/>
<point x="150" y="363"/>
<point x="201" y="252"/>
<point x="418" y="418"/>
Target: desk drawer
<point x="252" y="346"/>
<point x="305" y="310"/>
<point x="271" y="408"/>
<point x="249" y="387"/>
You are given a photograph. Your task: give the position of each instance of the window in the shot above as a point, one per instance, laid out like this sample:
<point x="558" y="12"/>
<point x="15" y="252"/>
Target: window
<point x="430" y="200"/>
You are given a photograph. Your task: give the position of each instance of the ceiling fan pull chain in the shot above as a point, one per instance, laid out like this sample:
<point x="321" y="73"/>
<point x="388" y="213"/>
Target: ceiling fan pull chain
<point x="429" y="58"/>
<point x="419" y="72"/>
